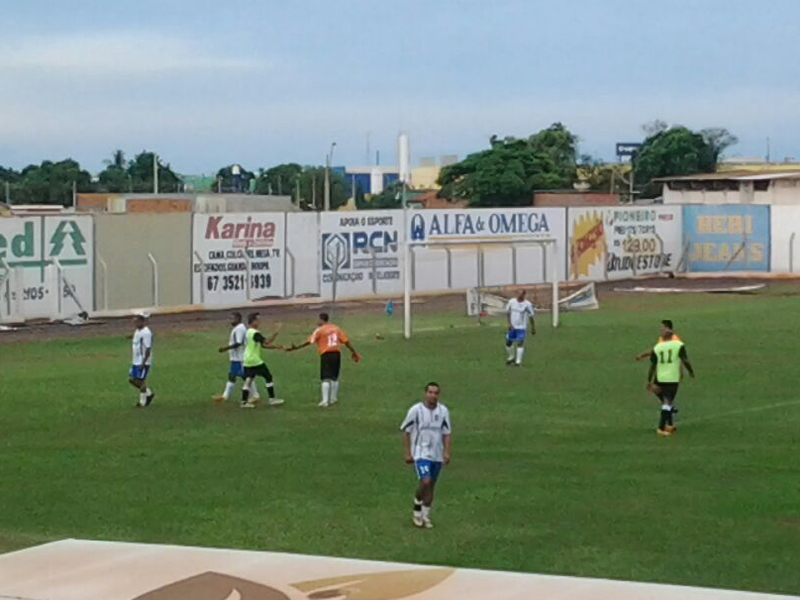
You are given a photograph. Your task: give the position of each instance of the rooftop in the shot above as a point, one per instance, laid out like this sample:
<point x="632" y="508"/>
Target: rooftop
<point x="741" y="175"/>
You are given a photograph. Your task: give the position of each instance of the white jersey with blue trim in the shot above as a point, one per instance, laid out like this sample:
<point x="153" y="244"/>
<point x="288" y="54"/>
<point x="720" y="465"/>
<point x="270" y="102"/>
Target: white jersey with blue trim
<point x="142" y="341"/>
<point x="519" y="313"/>
<point x="238" y="334"/>
<point x="427" y="427"/>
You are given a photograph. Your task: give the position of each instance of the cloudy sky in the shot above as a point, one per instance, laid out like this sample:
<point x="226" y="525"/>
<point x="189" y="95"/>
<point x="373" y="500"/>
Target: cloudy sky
<point x="207" y="83"/>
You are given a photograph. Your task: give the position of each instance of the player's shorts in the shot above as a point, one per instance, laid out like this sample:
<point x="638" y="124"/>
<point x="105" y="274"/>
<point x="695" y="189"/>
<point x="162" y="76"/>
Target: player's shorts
<point x="428" y="469"/>
<point x="236" y="369"/>
<point x="139" y="372"/>
<point x="668" y="391"/>
<point x="515" y="335"/>
<point x="330" y="365"/>
<point x="258" y="371"/>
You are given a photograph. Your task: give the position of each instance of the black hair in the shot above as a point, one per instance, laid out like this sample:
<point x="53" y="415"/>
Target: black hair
<point x="667" y="323"/>
<point x="324" y="317"/>
<point x="251" y="317"/>
<point x="237" y="314"/>
<point x="432" y="384"/>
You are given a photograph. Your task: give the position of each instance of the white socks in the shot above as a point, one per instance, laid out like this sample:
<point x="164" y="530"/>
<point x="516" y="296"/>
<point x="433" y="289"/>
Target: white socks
<point x="228" y="389"/>
<point x="334" y="392"/>
<point x="426" y="511"/>
<point x="142" y="398"/>
<point x="326" y="392"/>
<point x="254" y="390"/>
<point x="520" y="353"/>
<point x="510" y="351"/>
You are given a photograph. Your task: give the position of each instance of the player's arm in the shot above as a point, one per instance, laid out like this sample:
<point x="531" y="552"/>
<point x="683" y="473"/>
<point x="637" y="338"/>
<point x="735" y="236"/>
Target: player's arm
<point x="231" y="347"/>
<point x="294" y="347"/>
<point x="353" y="352"/>
<point x="266" y="343"/>
<point x="446" y="440"/>
<point x="685" y="361"/>
<point x="651" y="375"/>
<point x="407" y="447"/>
<point x="643" y="355"/>
<point x="508" y="314"/>
<point x="533" y="324"/>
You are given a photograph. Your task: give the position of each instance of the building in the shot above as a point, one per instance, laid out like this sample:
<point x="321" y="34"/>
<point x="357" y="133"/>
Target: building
<point x="371" y="180"/>
<point x="733" y="187"/>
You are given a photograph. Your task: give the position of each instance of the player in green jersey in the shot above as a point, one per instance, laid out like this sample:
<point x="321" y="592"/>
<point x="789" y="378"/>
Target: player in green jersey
<point x="664" y="377"/>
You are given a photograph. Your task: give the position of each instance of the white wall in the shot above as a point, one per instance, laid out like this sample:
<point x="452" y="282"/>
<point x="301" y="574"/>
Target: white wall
<point x="302" y="240"/>
<point x="784" y="221"/>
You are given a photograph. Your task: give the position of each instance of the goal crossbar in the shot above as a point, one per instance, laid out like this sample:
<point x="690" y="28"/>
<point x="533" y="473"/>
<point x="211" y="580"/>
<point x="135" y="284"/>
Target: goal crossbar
<point x="513" y="243"/>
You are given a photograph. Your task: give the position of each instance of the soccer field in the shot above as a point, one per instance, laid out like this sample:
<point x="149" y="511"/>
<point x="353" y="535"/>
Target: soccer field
<point x="556" y="466"/>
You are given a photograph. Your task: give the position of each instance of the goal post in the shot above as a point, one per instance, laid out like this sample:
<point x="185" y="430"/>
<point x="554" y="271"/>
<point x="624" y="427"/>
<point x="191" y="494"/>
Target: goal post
<point x="550" y="264"/>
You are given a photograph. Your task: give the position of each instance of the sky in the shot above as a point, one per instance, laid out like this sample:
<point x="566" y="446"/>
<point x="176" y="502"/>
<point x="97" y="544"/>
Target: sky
<point x="261" y="82"/>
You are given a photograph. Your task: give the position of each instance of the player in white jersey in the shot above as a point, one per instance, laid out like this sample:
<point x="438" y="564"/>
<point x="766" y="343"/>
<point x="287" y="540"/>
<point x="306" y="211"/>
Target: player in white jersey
<point x="235" y="350"/>
<point x="426" y="444"/>
<point x="142" y="360"/>
<point x="519" y="311"/>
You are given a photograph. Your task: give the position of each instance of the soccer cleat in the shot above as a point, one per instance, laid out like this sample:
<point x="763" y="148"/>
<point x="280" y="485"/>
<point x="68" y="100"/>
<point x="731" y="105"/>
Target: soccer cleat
<point x="276" y="402"/>
<point x="247" y="405"/>
<point x="418" y="522"/>
<point x="219" y="399"/>
<point x="333" y="401"/>
<point x="509" y="362"/>
<point x="663" y="433"/>
<point x="427" y="524"/>
<point x="150" y="399"/>
<point x="671" y="428"/>
<point x="323" y="404"/>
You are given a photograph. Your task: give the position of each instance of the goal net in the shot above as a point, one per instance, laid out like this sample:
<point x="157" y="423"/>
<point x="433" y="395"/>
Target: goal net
<point x="543" y="267"/>
<point x="572" y="296"/>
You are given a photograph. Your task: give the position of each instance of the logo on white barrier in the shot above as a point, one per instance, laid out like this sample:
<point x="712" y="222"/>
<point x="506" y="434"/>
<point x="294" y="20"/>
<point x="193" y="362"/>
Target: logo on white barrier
<point x="335" y="251"/>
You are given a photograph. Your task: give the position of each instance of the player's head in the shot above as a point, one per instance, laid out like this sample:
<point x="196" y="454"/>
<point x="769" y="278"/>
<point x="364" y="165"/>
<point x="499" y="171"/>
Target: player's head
<point x="521" y="295"/>
<point x="666" y="328"/>
<point x="236" y="318"/>
<point x="323" y="318"/>
<point x="432" y="391"/>
<point x="139" y="320"/>
<point x="252" y="320"/>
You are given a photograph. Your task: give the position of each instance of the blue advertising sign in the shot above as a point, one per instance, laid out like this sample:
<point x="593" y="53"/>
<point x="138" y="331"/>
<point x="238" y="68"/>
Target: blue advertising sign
<point x="727" y="237"/>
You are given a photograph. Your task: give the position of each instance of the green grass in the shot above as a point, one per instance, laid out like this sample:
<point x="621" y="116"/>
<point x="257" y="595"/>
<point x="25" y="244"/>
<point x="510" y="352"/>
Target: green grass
<point x="556" y="466"/>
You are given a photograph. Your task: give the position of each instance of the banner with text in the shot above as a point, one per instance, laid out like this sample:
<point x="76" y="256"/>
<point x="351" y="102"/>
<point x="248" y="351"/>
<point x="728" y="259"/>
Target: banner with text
<point x="623" y="242"/>
<point x="363" y="251"/>
<point x="31" y="250"/>
<point x="727" y="238"/>
<point x="238" y="257"/>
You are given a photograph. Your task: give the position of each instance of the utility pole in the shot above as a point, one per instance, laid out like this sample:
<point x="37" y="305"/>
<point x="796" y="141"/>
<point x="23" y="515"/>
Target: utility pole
<point x="328" y="160"/>
<point x="74" y="194"/>
<point x="8" y="193"/>
<point x="155" y="173"/>
<point x="314" y="190"/>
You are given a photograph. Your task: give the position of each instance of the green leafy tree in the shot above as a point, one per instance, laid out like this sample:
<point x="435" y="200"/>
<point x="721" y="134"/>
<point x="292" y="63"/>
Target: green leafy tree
<point x="678" y="151"/>
<point x="226" y="183"/>
<point x="511" y="169"/>
<point x="114" y="178"/>
<point x="52" y="183"/>
<point x="281" y="180"/>
<point x="140" y="171"/>
<point x="390" y="197"/>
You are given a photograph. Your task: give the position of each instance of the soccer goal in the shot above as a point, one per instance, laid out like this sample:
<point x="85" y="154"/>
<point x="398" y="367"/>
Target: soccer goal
<point x="549" y="266"/>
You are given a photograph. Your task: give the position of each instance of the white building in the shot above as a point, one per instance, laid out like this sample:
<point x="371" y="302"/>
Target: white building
<point x="734" y="187"/>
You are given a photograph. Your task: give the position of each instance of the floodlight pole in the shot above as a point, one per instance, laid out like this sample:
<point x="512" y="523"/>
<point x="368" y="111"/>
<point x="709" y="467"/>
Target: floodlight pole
<point x="328" y="161"/>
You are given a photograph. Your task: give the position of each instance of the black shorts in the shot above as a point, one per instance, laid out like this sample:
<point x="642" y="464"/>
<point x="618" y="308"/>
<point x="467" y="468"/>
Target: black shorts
<point x="330" y="365"/>
<point x="668" y="391"/>
<point x="259" y="371"/>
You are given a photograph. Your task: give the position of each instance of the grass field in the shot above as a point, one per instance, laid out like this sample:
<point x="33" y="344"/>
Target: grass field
<point x="556" y="466"/>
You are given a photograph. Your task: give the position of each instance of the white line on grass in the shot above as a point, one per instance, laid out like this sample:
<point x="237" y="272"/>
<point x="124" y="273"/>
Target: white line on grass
<point x="742" y="411"/>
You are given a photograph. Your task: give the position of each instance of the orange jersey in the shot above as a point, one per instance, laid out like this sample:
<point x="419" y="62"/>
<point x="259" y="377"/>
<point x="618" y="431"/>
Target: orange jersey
<point x="328" y="338"/>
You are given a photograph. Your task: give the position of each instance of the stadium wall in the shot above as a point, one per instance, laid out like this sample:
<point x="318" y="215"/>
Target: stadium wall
<point x="620" y="243"/>
<point x="785" y="239"/>
<point x="124" y="242"/>
<point x="302" y="245"/>
<point x="727" y="237"/>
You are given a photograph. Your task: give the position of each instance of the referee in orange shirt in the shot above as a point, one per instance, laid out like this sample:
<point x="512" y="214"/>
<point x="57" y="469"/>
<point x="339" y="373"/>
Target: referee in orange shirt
<point x="329" y="338"/>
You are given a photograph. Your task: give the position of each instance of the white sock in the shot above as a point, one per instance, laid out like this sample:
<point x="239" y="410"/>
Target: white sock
<point x="228" y="389"/>
<point x="326" y="392"/>
<point x="520" y="352"/>
<point x="510" y="351"/>
<point x="254" y="390"/>
<point x="148" y="391"/>
<point x="426" y="511"/>
<point x="142" y="398"/>
<point x="334" y="391"/>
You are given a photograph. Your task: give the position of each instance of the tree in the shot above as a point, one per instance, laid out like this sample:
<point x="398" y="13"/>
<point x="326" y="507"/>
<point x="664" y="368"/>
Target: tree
<point x="281" y="180"/>
<point x="390" y="197"/>
<point x="226" y="182"/>
<point x="511" y="169"/>
<point x="114" y="178"/>
<point x="140" y="171"/>
<point x="678" y="151"/>
<point x="52" y="183"/>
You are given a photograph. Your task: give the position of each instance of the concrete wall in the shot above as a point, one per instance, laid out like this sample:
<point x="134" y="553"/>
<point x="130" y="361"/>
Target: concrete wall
<point x="575" y="199"/>
<point x="785" y="252"/>
<point x="716" y="235"/>
<point x="302" y="241"/>
<point x="123" y="242"/>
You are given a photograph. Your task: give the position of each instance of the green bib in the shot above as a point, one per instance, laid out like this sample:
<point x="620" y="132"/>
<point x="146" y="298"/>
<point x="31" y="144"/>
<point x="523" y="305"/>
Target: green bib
<point x="252" y="349"/>
<point x="668" y="363"/>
